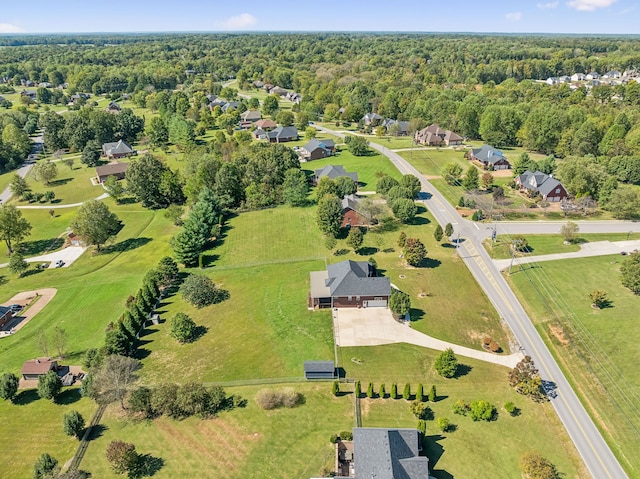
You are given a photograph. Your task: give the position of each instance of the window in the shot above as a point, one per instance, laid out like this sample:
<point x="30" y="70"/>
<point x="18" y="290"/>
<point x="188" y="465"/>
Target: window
<point x="350" y="298"/>
<point x="357" y="298"/>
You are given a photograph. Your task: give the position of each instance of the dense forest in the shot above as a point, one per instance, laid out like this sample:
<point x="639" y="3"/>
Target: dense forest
<point x="483" y="87"/>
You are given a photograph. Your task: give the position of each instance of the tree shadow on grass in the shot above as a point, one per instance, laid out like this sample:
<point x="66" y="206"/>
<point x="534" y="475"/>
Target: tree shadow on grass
<point x="367" y="251"/>
<point x="68" y="396"/>
<point x="430" y="263"/>
<point x="38" y="247"/>
<point x="209" y="259"/>
<point x="60" y="182"/>
<point x="148" y="465"/>
<point x="463" y="370"/>
<point x="420" y="221"/>
<point x="416" y="314"/>
<point x="126" y="245"/>
<point x="26" y="397"/>
<point x="31" y="272"/>
<point x="97" y="432"/>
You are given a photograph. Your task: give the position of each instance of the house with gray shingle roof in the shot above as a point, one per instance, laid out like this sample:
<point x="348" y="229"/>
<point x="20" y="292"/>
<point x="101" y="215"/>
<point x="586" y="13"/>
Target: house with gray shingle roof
<point x="388" y="454"/>
<point x="352" y="213"/>
<point x="282" y="134"/>
<point x="333" y="172"/>
<point x="316" y="149"/>
<point x="491" y="158"/>
<point x="372" y="119"/>
<point x="546" y="185"/>
<point x="119" y="149"/>
<point x="348" y="284"/>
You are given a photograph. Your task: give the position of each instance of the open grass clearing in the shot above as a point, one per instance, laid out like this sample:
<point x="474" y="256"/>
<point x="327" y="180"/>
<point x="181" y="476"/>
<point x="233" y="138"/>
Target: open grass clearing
<point x="551" y="244"/>
<point x="92" y="292"/>
<point x="369" y="168"/>
<point x="474" y="449"/>
<point x="247" y="442"/>
<point x="33" y="426"/>
<point x="596" y="348"/>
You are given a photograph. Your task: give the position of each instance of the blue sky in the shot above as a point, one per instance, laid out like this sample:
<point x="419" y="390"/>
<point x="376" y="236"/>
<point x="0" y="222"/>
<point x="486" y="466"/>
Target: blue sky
<point x="547" y="16"/>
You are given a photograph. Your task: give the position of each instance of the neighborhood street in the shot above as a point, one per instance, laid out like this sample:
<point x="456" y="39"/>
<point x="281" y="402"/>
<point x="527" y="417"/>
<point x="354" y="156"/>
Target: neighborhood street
<point x="594" y="451"/>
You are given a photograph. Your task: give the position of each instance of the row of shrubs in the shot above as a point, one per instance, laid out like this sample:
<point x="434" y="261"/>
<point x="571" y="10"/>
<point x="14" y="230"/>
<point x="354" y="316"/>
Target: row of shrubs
<point x="33" y="196"/>
<point x="276" y="398"/>
<point x="479" y="410"/>
<point x="393" y="393"/>
<point x="181" y="401"/>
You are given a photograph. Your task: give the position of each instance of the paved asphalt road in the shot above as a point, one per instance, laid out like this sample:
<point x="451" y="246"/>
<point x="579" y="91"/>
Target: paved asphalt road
<point x="595" y="452"/>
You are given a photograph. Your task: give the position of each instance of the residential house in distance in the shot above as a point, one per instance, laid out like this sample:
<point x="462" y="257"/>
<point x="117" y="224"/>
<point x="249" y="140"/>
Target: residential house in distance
<point x="230" y="105"/>
<point x="44" y="84"/>
<point x="490" y="158"/>
<point x="333" y="172"/>
<point x="348" y="284"/>
<point x="372" y="119"/>
<point x="35" y="368"/>
<point x="113" y="108"/>
<point x="388" y="454"/>
<point x="117" y="169"/>
<point x="258" y="84"/>
<point x="592" y="76"/>
<point x="283" y="134"/>
<point x="578" y="77"/>
<point x="248" y="118"/>
<point x="259" y="134"/>
<point x="319" y="370"/>
<point x="276" y="90"/>
<point x="73" y="99"/>
<point x="119" y="149"/>
<point x="351" y="213"/>
<point x="613" y="74"/>
<point x="30" y="93"/>
<point x="266" y="124"/>
<point x="293" y="97"/>
<point x="401" y="128"/>
<point x="316" y="149"/>
<point x="552" y="81"/>
<point x="433" y="135"/>
<point x="546" y="185"/>
<point x="564" y="79"/>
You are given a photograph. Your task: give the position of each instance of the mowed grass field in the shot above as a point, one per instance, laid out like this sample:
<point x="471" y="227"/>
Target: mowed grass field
<point x="474" y="449"/>
<point x="248" y="442"/>
<point x="369" y="168"/>
<point x="597" y="348"/>
<point x="551" y="244"/>
<point x="32" y="426"/>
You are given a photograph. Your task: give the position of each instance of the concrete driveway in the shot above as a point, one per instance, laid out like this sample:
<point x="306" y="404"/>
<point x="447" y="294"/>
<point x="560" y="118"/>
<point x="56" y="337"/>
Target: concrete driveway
<point x="68" y="255"/>
<point x="376" y="326"/>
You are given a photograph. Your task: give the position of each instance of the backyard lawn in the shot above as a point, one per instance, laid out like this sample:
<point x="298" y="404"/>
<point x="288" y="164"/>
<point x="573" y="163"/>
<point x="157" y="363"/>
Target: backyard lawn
<point x="248" y="442"/>
<point x="597" y="348"/>
<point x="474" y="449"/>
<point x="33" y="426"/>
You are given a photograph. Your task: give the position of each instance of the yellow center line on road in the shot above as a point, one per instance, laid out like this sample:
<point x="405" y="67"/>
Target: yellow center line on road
<point x="490" y="276"/>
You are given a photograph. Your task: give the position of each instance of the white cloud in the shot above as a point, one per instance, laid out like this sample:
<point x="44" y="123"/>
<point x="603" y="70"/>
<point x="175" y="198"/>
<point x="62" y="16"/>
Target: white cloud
<point x="590" y="5"/>
<point x="9" y="28"/>
<point x="513" y="16"/>
<point x="548" y="5"/>
<point x="239" y="22"/>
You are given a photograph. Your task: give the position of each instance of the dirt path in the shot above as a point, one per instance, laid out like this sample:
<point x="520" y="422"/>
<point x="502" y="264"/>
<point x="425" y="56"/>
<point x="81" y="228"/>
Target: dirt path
<point x="24" y="298"/>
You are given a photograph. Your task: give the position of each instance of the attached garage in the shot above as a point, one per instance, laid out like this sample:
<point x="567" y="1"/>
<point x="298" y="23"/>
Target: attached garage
<point x="375" y="303"/>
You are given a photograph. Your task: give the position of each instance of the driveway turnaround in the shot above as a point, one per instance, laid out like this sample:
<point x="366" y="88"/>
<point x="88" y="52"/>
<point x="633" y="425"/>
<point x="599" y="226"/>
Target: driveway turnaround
<point x="44" y="296"/>
<point x="597" y="248"/>
<point x="376" y="326"/>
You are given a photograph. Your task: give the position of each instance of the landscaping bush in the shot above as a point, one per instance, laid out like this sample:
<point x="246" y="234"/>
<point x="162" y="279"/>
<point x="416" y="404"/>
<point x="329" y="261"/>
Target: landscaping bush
<point x="333" y="438"/>
<point x="200" y="291"/>
<point x="422" y="427"/>
<point x="394" y="391"/>
<point x="420" y="393"/>
<point x="433" y="396"/>
<point x="183" y="328"/>
<point x="358" y="390"/>
<point x="511" y="408"/>
<point x="335" y="388"/>
<point x="420" y="410"/>
<point x="383" y="391"/>
<point x="272" y="399"/>
<point x="370" y="392"/>
<point x="346" y="436"/>
<point x="407" y="392"/>
<point x="443" y="424"/>
<point x="460" y="407"/>
<point x="482" y="411"/>
<point x="494" y="347"/>
<point x="446" y="363"/>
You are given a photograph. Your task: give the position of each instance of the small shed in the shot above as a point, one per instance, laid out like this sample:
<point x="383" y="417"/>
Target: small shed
<point x="319" y="370"/>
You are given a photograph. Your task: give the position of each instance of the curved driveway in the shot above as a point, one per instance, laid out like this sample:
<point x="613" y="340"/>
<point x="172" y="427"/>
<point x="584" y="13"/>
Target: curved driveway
<point x="593" y="449"/>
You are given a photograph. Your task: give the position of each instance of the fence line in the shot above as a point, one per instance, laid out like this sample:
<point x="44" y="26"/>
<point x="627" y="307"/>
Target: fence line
<point x="84" y="442"/>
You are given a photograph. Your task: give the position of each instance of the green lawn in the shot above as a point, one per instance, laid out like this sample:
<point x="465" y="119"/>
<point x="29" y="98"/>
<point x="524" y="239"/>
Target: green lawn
<point x="597" y="348"/>
<point x="551" y="244"/>
<point x="474" y="449"/>
<point x="249" y="443"/>
<point x="92" y="291"/>
<point x="431" y="161"/>
<point x="394" y="142"/>
<point x="33" y="426"/>
<point x="70" y="186"/>
<point x="369" y="168"/>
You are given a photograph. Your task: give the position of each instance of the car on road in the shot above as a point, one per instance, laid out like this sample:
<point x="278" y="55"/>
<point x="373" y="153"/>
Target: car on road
<point x="59" y="263"/>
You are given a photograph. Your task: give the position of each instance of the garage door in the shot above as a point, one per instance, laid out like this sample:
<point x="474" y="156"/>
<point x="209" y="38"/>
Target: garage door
<point x="377" y="303"/>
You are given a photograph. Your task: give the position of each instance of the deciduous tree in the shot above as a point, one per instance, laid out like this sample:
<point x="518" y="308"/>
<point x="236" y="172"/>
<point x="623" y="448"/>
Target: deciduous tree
<point x="414" y="251"/>
<point x="95" y="223"/>
<point x="399" y="303"/>
<point x="329" y="214"/>
<point x="122" y="456"/>
<point x="49" y="385"/>
<point x="630" y="272"/>
<point x="8" y="386"/>
<point x="355" y="238"/>
<point x="199" y="291"/>
<point x="534" y="466"/>
<point x="183" y="328"/>
<point x="46" y="171"/>
<point x="73" y="424"/>
<point x="446" y="364"/>
<point x="17" y="264"/>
